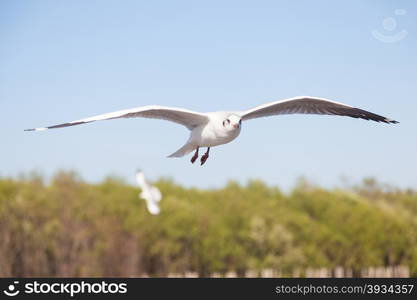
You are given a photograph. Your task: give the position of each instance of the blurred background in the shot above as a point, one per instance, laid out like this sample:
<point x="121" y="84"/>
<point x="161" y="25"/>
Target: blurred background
<point x="69" y="227"/>
<point x="292" y="196"/>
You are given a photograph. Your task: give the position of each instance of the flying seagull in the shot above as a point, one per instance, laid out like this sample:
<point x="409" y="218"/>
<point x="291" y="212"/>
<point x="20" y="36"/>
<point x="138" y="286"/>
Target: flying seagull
<point x="149" y="193"/>
<point x="218" y="128"/>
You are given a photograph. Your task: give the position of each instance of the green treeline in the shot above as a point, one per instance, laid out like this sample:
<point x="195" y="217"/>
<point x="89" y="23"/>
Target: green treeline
<point x="69" y="227"/>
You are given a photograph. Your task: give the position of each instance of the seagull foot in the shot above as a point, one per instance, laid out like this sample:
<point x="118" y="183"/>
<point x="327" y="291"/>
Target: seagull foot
<point x="195" y="156"/>
<point x="205" y="156"/>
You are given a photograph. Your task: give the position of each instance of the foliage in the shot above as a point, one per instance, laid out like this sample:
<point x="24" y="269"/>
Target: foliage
<point x="72" y="228"/>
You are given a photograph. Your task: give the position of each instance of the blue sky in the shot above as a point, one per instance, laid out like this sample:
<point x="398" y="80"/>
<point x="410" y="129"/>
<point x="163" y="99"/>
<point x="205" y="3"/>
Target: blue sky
<point x="65" y="60"/>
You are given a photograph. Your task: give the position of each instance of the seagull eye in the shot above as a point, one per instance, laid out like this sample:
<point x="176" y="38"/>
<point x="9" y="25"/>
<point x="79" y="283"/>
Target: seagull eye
<point x="226" y="121"/>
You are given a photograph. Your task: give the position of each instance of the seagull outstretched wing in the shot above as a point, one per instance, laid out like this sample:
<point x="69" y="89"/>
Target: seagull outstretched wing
<point x="187" y="118"/>
<point x="310" y="105"/>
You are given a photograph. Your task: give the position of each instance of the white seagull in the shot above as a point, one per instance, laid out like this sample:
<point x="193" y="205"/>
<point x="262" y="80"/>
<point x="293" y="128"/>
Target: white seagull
<point x="218" y="128"/>
<point x="150" y="194"/>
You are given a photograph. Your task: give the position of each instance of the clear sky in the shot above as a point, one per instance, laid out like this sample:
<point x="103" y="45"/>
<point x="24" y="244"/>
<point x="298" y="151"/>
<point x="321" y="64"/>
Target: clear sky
<point x="65" y="60"/>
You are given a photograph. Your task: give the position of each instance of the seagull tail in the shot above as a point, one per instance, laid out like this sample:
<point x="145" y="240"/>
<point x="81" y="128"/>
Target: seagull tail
<point x="184" y="150"/>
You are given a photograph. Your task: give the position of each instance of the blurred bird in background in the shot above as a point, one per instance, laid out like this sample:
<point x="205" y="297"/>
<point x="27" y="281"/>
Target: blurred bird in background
<point x="150" y="193"/>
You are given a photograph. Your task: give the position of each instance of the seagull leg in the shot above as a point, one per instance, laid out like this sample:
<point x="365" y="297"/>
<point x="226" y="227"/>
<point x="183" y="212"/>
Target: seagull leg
<point x="205" y="156"/>
<point x="195" y="156"/>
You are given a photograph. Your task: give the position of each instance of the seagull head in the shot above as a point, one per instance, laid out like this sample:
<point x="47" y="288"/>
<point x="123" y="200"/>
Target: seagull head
<point x="233" y="122"/>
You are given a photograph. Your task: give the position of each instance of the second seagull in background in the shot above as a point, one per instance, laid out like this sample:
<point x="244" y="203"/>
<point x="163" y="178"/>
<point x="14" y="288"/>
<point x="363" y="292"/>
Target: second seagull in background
<point x="150" y="194"/>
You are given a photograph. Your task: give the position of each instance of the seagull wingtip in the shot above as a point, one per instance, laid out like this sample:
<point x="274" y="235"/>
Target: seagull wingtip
<point x="36" y="129"/>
